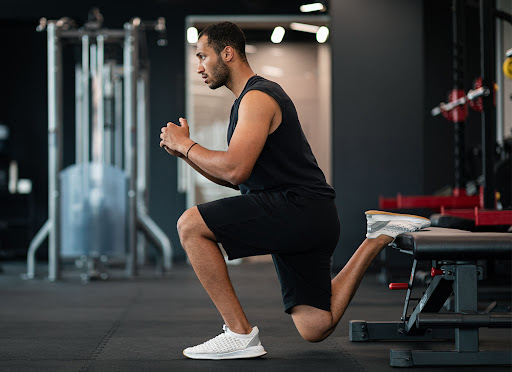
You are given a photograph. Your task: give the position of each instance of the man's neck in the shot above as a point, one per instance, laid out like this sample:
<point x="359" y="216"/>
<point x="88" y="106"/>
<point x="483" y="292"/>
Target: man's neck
<point x="239" y="78"/>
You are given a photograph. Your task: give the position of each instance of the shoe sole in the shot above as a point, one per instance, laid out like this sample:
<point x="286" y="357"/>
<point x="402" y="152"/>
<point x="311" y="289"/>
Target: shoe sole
<point x="389" y="216"/>
<point x="249" y="353"/>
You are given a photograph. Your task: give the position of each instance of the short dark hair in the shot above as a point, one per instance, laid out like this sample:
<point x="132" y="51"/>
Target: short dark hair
<point x="222" y="34"/>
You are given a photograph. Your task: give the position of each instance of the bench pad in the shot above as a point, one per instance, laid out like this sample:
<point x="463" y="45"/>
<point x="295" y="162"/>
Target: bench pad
<point x="437" y="243"/>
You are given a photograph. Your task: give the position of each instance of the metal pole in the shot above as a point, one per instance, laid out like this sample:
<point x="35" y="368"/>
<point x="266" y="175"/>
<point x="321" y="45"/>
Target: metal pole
<point x="95" y="141"/>
<point x="34" y="246"/>
<point x="54" y="149"/>
<point x="130" y="150"/>
<point x="146" y="131"/>
<point x="458" y="44"/>
<point x="118" y="121"/>
<point x="78" y="114"/>
<point x="465" y="288"/>
<point x="487" y="65"/>
<point x="157" y="236"/>
<point x="100" y="60"/>
<point x="500" y="95"/>
<point x="85" y="98"/>
<point x="141" y="158"/>
<point x="109" y="116"/>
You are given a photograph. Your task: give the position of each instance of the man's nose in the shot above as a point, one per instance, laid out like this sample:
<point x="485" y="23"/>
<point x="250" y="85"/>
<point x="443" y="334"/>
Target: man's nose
<point x="200" y="68"/>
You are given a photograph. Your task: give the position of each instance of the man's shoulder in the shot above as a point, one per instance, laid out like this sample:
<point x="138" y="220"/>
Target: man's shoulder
<point x="257" y="99"/>
<point x="260" y="81"/>
<point x="264" y="85"/>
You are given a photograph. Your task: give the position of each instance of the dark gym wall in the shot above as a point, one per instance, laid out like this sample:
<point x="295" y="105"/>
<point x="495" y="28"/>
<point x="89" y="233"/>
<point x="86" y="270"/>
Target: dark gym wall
<point x="377" y="52"/>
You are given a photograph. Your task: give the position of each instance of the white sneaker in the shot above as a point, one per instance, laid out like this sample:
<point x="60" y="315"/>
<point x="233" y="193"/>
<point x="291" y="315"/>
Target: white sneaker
<point x="392" y="224"/>
<point x="228" y="345"/>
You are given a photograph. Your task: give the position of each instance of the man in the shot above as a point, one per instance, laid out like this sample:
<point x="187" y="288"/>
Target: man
<point x="286" y="208"/>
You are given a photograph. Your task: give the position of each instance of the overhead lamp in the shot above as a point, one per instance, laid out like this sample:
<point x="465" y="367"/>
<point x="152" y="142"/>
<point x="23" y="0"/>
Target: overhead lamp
<point x="277" y="35"/>
<point x="315" y="7"/>
<point x="304" y="27"/>
<point x="192" y="35"/>
<point x="322" y="34"/>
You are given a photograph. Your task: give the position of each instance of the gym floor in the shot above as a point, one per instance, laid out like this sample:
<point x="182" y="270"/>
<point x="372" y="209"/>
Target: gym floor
<point x="144" y="324"/>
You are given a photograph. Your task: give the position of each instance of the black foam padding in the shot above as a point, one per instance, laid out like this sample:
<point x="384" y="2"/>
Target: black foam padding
<point x="452" y="244"/>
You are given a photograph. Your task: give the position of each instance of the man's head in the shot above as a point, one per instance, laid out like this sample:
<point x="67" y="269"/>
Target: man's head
<point x="221" y="35"/>
<point x="220" y="45"/>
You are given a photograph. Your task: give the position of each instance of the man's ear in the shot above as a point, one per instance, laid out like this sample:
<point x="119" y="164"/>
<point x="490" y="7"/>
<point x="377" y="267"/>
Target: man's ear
<point x="228" y="54"/>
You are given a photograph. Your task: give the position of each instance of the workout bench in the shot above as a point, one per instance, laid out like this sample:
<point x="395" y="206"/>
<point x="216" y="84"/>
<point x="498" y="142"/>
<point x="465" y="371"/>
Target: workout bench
<point x="455" y="270"/>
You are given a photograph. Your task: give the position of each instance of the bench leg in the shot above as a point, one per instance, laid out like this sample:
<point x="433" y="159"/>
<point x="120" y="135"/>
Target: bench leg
<point x="410" y="358"/>
<point x="465" y="291"/>
<point x="362" y="331"/>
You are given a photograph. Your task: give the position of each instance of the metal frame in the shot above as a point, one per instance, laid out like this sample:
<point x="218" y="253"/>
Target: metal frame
<point x="431" y="202"/>
<point x="500" y="98"/>
<point x="130" y="139"/>
<point x="458" y="50"/>
<point x="55" y="147"/>
<point x="488" y="116"/>
<point x="481" y="217"/>
<point x="135" y="123"/>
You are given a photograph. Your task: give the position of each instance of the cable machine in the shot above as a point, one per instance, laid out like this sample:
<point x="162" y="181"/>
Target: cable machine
<point x="97" y="207"/>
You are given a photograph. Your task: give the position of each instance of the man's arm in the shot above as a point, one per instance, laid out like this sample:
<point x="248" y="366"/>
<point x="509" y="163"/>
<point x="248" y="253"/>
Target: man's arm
<point x="200" y="171"/>
<point x="256" y="113"/>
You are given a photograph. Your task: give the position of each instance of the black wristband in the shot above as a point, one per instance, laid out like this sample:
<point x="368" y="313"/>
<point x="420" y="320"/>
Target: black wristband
<point x="195" y="143"/>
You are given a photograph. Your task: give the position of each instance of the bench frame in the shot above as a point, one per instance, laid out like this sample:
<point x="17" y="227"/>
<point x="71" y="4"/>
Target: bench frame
<point x="425" y="323"/>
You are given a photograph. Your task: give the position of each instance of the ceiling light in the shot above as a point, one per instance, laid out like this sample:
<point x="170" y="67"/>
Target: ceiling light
<point x="192" y="35"/>
<point x="315" y="7"/>
<point x="277" y="35"/>
<point x="322" y="34"/>
<point x="304" y="27"/>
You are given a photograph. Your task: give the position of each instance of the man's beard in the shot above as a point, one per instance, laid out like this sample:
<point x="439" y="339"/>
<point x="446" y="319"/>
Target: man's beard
<point x="220" y="75"/>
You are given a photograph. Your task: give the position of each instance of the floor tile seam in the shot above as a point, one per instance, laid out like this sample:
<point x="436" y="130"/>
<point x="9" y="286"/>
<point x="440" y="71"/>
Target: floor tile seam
<point x="110" y="332"/>
<point x="348" y="355"/>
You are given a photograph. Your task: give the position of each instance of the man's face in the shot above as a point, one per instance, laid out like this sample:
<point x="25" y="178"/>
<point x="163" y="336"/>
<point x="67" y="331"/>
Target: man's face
<point x="212" y="68"/>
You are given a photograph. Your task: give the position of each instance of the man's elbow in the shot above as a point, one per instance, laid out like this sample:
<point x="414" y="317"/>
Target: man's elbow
<point x="239" y="176"/>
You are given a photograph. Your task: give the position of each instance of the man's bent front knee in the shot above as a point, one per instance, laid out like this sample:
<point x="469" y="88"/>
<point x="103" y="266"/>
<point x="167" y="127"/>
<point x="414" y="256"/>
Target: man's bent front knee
<point x="191" y="225"/>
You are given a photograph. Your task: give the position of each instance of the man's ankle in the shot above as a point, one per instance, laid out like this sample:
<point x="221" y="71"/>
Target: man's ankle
<point x="241" y="329"/>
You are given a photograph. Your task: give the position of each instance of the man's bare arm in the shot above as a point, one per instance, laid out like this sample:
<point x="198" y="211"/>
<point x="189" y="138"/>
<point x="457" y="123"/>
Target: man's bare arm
<point x="218" y="181"/>
<point x="199" y="170"/>
<point x="256" y="113"/>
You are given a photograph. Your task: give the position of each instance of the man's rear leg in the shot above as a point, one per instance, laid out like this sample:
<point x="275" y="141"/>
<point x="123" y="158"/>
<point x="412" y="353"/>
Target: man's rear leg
<point x="382" y="228"/>
<point x="315" y="325"/>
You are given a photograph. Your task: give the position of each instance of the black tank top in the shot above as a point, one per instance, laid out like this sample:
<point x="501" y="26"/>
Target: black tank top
<point x="286" y="162"/>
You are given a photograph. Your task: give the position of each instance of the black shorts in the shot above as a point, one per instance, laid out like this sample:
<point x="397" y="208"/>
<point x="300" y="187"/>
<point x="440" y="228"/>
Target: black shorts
<point x="300" y="233"/>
